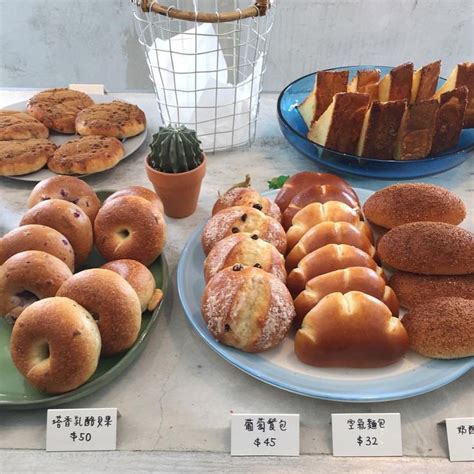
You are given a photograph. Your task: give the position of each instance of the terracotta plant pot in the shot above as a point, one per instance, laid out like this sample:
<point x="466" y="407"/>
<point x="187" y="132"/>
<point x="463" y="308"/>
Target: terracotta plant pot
<point x="178" y="191"/>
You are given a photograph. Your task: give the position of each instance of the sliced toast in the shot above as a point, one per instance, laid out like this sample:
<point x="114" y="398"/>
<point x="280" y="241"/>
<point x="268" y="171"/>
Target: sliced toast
<point x="396" y="85"/>
<point x="340" y="125"/>
<point x="366" y="81"/>
<point x="308" y="106"/>
<point x="425" y="81"/>
<point x="450" y="119"/>
<point x="416" y="130"/>
<point x="380" y="129"/>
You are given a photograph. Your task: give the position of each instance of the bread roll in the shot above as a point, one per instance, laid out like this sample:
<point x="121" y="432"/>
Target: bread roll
<point x="413" y="202"/>
<point x="142" y="192"/>
<point x="413" y="289"/>
<point x="350" y="330"/>
<point x="442" y="328"/>
<point x="247" y="308"/>
<point x="432" y="248"/>
<point x="342" y="281"/>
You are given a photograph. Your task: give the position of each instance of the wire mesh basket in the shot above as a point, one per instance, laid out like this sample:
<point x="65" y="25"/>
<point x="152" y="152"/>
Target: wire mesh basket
<point x="206" y="60"/>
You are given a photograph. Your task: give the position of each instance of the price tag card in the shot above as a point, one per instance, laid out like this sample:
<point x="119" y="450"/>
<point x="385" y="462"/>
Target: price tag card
<point x="82" y="429"/>
<point x="460" y="438"/>
<point x="88" y="88"/>
<point x="265" y="435"/>
<point x="366" y="434"/>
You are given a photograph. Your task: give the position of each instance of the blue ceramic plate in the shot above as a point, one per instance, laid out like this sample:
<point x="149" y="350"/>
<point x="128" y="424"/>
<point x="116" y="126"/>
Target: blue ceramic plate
<point x="279" y="367"/>
<point x="294" y="129"/>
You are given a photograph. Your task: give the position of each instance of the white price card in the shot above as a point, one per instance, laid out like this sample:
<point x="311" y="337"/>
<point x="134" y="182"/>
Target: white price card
<point x="460" y="438"/>
<point x="265" y="435"/>
<point x="88" y="88"/>
<point x="366" y="434"/>
<point x="82" y="429"/>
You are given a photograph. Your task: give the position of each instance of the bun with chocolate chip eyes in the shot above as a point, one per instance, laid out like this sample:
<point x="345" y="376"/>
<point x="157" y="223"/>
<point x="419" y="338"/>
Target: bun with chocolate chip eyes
<point x="247" y="308"/>
<point x="243" y="219"/>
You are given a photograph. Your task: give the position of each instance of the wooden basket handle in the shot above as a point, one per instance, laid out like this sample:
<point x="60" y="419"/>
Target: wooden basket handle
<point x="258" y="9"/>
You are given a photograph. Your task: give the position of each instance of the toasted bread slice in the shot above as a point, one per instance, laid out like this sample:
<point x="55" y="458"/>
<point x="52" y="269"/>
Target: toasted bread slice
<point x="367" y="82"/>
<point x="329" y="83"/>
<point x="308" y="106"/>
<point x="450" y="119"/>
<point x="380" y="128"/>
<point x="416" y="130"/>
<point x="396" y="85"/>
<point x="425" y="81"/>
<point x="340" y="125"/>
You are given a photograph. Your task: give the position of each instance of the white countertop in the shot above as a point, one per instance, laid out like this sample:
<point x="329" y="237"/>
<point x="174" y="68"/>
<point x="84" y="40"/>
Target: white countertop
<point x="178" y="395"/>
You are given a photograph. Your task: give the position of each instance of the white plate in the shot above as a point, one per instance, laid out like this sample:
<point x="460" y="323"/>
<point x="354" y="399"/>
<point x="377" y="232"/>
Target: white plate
<point x="130" y="145"/>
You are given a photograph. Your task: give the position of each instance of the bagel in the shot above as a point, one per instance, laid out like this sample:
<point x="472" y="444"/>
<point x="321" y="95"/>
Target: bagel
<point x="55" y="344"/>
<point x="68" y="219"/>
<point x="139" y="191"/>
<point x="69" y="189"/>
<point x="112" y="302"/>
<point x="130" y="227"/>
<point x="37" y="237"/>
<point x="29" y="276"/>
<point x="140" y="279"/>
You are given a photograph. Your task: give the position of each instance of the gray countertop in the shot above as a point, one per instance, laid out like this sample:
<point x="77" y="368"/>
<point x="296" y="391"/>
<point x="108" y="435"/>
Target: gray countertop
<point x="178" y="395"/>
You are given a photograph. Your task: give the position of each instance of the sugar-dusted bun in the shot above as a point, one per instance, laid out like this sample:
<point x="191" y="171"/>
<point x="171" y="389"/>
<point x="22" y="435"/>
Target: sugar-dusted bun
<point x="112" y="301"/>
<point x="316" y="213"/>
<point x="243" y="219"/>
<point x="247" y="197"/>
<point x="413" y="202"/>
<point x="247" y="308"/>
<point x="318" y="193"/>
<point x="29" y="276"/>
<point x="130" y="227"/>
<point x="300" y="181"/>
<point x="327" y="259"/>
<point x="36" y="237"/>
<point x="69" y="189"/>
<point x="140" y="279"/>
<point x="68" y="219"/>
<point x="55" y="344"/>
<point x="413" y="289"/>
<point x="350" y="330"/>
<point x="342" y="281"/>
<point x="142" y="192"/>
<point x="432" y="248"/>
<point x="442" y="328"/>
<point x="246" y="249"/>
<point x="330" y="233"/>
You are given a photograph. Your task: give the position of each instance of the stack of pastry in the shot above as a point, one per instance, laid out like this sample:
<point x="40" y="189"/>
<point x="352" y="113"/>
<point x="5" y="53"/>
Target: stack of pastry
<point x="400" y="116"/>
<point x="98" y="310"/>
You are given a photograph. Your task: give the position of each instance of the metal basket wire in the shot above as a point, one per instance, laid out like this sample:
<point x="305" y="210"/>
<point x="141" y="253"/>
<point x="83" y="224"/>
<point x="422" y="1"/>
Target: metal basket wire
<point x="207" y="68"/>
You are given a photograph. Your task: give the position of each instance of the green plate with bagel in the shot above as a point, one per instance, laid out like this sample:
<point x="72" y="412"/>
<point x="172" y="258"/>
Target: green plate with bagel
<point x="17" y="394"/>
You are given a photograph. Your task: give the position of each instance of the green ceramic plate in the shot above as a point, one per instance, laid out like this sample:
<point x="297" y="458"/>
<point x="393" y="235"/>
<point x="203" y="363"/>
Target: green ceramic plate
<point x="16" y="393"/>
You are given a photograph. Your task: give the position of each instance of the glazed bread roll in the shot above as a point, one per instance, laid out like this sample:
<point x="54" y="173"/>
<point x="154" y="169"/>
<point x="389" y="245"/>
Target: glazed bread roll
<point x="300" y="181"/>
<point x="327" y="259"/>
<point x="247" y="308"/>
<point x="140" y="279"/>
<point x="413" y="202"/>
<point x="413" y="289"/>
<point x="350" y="330"/>
<point x="246" y="249"/>
<point x="29" y="276"/>
<point x="142" y="192"/>
<point x="330" y="233"/>
<point x="68" y="219"/>
<point x="247" y="197"/>
<point x="242" y="219"/>
<point x="432" y="248"/>
<point x="316" y="193"/>
<point x="130" y="227"/>
<point x="112" y="302"/>
<point x="69" y="189"/>
<point x="442" y="328"/>
<point x="315" y="213"/>
<point x="342" y="281"/>
<point x="37" y="237"/>
<point x="55" y="344"/>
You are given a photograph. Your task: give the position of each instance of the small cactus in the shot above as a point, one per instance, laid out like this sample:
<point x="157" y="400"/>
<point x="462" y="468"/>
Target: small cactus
<point x="175" y="150"/>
